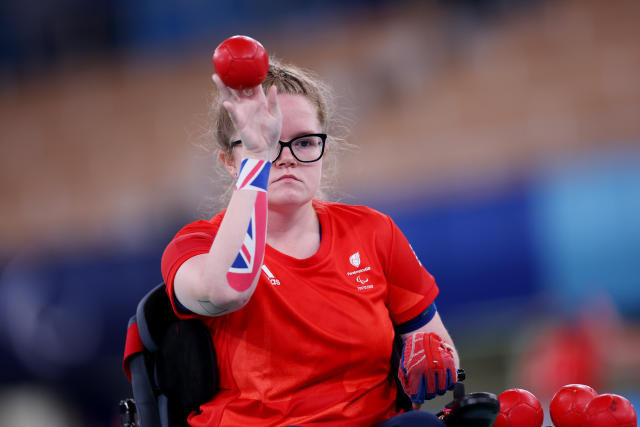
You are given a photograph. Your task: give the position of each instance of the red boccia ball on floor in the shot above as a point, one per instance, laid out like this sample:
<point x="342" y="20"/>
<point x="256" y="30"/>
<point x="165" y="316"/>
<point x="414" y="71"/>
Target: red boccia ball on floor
<point x="568" y="405"/>
<point x="519" y="408"/>
<point x="241" y="62"/>
<point x="610" y="410"/>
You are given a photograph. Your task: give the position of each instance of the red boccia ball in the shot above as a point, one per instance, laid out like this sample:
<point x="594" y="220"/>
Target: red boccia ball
<point x="568" y="405"/>
<point x="241" y="62"/>
<point x="519" y="408"/>
<point x="610" y="410"/>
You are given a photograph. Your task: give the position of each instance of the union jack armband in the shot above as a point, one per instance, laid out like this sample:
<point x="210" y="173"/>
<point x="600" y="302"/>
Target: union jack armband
<point x="253" y="175"/>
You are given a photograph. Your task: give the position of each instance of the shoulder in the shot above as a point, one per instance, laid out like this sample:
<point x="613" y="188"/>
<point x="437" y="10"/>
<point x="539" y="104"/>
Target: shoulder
<point x="201" y="226"/>
<point x="351" y="213"/>
<point x="194" y="238"/>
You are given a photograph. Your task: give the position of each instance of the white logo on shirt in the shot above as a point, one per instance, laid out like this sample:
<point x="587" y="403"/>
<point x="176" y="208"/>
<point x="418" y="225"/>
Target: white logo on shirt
<point x="363" y="282"/>
<point x="270" y="276"/>
<point x="355" y="259"/>
<point x="362" y="270"/>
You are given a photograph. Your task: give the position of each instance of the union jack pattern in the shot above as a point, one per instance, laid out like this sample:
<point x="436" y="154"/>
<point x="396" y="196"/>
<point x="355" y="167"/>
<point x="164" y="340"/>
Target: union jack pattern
<point x="247" y="264"/>
<point x="253" y="175"/>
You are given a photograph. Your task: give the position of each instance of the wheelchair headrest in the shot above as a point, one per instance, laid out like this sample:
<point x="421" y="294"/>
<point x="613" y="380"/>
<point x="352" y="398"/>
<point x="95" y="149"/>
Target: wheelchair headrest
<point x="154" y="315"/>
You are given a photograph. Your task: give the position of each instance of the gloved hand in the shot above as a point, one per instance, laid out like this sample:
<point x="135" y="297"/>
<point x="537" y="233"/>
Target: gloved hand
<point x="426" y="367"/>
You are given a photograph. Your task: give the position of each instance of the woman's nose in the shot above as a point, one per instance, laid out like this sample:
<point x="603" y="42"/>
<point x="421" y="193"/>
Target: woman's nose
<point x="286" y="157"/>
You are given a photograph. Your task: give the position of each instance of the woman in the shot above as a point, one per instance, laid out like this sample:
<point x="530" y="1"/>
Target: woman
<point x="301" y="296"/>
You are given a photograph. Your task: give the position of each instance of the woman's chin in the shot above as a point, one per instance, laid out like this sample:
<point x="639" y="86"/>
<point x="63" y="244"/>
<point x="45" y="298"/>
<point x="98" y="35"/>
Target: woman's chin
<point x="288" y="198"/>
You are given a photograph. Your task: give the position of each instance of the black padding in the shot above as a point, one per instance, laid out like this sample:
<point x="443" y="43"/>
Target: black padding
<point x="143" y="391"/>
<point x="403" y="402"/>
<point x="181" y="367"/>
<point x="154" y="315"/>
<point x="186" y="365"/>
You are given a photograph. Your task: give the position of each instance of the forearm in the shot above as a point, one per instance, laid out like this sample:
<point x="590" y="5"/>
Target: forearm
<point x="224" y="279"/>
<point x="233" y="263"/>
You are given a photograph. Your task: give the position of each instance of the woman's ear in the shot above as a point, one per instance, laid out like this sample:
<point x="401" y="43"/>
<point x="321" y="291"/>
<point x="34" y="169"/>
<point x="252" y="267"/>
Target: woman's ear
<point x="228" y="163"/>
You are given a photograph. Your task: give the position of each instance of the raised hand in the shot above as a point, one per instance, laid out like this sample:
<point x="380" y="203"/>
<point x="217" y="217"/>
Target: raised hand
<point x="256" y="117"/>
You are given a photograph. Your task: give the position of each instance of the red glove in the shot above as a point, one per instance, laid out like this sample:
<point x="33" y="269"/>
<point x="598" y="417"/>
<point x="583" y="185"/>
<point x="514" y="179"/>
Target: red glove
<point x="426" y="367"/>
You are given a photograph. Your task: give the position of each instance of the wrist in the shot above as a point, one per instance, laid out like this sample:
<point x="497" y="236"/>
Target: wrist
<point x="257" y="154"/>
<point x="253" y="174"/>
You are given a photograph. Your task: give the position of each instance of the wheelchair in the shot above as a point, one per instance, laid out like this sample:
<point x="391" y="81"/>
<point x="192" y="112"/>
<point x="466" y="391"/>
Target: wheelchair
<point x="172" y="367"/>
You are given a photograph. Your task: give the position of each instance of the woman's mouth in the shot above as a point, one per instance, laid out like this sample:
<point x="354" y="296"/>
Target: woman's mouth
<point x="287" y="177"/>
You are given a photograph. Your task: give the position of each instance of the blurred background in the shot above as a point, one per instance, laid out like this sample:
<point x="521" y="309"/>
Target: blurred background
<point x="503" y="136"/>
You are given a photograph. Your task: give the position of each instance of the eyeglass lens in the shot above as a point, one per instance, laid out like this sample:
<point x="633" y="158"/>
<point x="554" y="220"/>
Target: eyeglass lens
<point x="305" y="148"/>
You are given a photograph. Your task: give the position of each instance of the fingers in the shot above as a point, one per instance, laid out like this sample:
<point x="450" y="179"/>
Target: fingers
<point x="429" y="386"/>
<point x="233" y="113"/>
<point x="224" y="90"/>
<point x="272" y="101"/>
<point x="442" y="382"/>
<point x="254" y="93"/>
<point x="451" y="379"/>
<point x="229" y="93"/>
<point x="426" y="389"/>
<point x="422" y="392"/>
<point x="232" y="98"/>
<point x="432" y="389"/>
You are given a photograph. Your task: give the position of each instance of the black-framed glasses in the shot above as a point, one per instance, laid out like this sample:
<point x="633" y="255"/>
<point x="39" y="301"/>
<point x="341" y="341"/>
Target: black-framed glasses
<point x="305" y="148"/>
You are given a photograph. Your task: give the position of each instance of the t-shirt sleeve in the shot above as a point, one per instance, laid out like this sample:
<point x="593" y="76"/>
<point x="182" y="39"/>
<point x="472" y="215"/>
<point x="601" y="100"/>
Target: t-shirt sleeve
<point x="411" y="288"/>
<point x="194" y="239"/>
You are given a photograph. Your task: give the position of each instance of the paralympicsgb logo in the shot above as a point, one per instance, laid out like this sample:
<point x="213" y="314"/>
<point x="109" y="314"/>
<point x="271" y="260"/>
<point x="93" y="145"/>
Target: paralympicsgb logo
<point x="355" y="259"/>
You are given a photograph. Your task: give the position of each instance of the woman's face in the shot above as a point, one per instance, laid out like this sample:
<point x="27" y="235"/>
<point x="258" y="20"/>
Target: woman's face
<point x="292" y="183"/>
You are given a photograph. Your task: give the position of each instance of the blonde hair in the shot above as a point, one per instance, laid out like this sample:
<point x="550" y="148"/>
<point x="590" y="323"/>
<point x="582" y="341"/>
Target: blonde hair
<point x="292" y="80"/>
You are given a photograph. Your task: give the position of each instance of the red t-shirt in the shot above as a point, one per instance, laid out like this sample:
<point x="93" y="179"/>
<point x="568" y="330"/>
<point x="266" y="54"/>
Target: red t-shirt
<point x="313" y="345"/>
